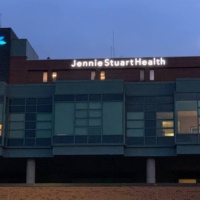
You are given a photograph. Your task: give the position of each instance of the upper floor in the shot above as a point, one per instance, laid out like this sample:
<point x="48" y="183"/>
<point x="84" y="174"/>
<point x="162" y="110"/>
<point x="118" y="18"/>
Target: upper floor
<point x="100" y="118"/>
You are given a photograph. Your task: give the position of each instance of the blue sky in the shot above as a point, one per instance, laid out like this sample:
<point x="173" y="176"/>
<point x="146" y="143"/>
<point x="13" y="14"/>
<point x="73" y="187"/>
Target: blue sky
<point x="63" y="29"/>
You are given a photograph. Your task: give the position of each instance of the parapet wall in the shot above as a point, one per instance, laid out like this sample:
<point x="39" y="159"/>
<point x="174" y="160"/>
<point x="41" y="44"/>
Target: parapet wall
<point x="100" y="192"/>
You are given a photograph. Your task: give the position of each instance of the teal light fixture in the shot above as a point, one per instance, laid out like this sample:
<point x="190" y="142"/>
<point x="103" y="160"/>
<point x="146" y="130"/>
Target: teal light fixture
<point x="2" y="41"/>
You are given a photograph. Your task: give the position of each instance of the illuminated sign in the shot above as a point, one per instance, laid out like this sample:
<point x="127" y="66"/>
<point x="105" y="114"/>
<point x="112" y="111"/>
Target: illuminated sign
<point x="2" y="42"/>
<point x="119" y="62"/>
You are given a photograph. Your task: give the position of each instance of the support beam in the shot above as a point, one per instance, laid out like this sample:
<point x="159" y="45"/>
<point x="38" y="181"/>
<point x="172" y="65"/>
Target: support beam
<point x="30" y="171"/>
<point x="151" y="170"/>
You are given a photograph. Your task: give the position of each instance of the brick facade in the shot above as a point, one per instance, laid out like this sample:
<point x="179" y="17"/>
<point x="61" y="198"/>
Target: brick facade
<point x="100" y="192"/>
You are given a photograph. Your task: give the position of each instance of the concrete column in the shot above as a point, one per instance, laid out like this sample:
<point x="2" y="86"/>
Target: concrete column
<point x="151" y="170"/>
<point x="30" y="171"/>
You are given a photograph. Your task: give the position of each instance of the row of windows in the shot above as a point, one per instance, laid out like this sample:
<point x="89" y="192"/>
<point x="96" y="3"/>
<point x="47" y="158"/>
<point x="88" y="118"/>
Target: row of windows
<point x="137" y="126"/>
<point x="93" y="76"/>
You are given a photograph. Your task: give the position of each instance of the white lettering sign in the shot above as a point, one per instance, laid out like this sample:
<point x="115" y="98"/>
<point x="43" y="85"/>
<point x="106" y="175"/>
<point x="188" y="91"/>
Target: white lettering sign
<point x="119" y="63"/>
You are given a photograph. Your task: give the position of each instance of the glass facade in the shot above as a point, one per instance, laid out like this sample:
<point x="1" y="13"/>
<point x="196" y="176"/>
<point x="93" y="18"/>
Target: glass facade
<point x="107" y="119"/>
<point x="149" y="120"/>
<point x="29" y="122"/>
<point x="88" y="119"/>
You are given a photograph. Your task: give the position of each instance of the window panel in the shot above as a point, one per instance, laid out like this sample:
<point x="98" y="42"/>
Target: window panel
<point x="164" y="115"/>
<point x="96" y="113"/>
<point x="16" y="125"/>
<point x="31" y="109"/>
<point x="187" y="121"/>
<point x="81" y="122"/>
<point x="165" y="124"/>
<point x="135" y="132"/>
<point x="15" y="134"/>
<point x="93" y="75"/>
<point x="44" y="117"/>
<point x="30" y="125"/>
<point x="102" y="75"/>
<point x="135" y="115"/>
<point x="81" y="131"/>
<point x="1" y="112"/>
<point x="94" y="105"/>
<point x="54" y="76"/>
<point x="43" y="125"/>
<point x="81" y="106"/>
<point x="17" y="109"/>
<point x="135" y="124"/>
<point x="1" y="129"/>
<point x="30" y="101"/>
<point x="44" y="108"/>
<point x="30" y="117"/>
<point x="141" y="75"/>
<point x="43" y="133"/>
<point x="45" y="77"/>
<point x="151" y="75"/>
<point x="165" y="132"/>
<point x="81" y="114"/>
<point x="64" y="119"/>
<point x="94" y="122"/>
<point x="17" y="117"/>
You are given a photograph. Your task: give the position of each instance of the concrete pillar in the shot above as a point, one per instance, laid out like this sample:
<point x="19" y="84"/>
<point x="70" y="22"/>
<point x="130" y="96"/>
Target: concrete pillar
<point x="30" y="171"/>
<point x="151" y="170"/>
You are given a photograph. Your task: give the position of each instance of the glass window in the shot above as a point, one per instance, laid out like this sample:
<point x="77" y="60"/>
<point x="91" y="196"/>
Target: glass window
<point x="43" y="125"/>
<point x="17" y="125"/>
<point x="94" y="122"/>
<point x="45" y="77"/>
<point x="165" y="124"/>
<point x="187" y="118"/>
<point x="164" y="115"/>
<point x="141" y="75"/>
<point x="135" y="124"/>
<point x="94" y="105"/>
<point x="43" y="133"/>
<point x="54" y="76"/>
<point x="165" y="132"/>
<point x="93" y="75"/>
<point x="15" y="134"/>
<point x="135" y="115"/>
<point x="135" y="132"/>
<point x="81" y="114"/>
<point x="187" y="122"/>
<point x="44" y="117"/>
<point x="151" y="75"/>
<point x="81" y="106"/>
<point x="102" y="75"/>
<point x="17" y="117"/>
<point x="0" y="129"/>
<point x="81" y="131"/>
<point x="95" y="113"/>
<point x="81" y="122"/>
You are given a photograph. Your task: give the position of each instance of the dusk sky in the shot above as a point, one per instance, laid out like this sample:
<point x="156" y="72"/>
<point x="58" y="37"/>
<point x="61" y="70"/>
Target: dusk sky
<point x="63" y="29"/>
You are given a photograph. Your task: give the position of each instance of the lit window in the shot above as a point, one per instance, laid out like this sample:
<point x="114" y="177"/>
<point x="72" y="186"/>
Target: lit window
<point x="151" y="75"/>
<point x="93" y="75"/>
<point x="187" y="122"/>
<point x="187" y="117"/>
<point x="102" y="75"/>
<point x="165" y="124"/>
<point x="0" y="129"/>
<point x="45" y="77"/>
<point x="187" y="181"/>
<point x="141" y="75"/>
<point x="54" y="76"/>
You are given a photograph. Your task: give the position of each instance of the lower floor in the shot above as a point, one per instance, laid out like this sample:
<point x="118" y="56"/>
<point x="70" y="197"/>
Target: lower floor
<point x="100" y="169"/>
